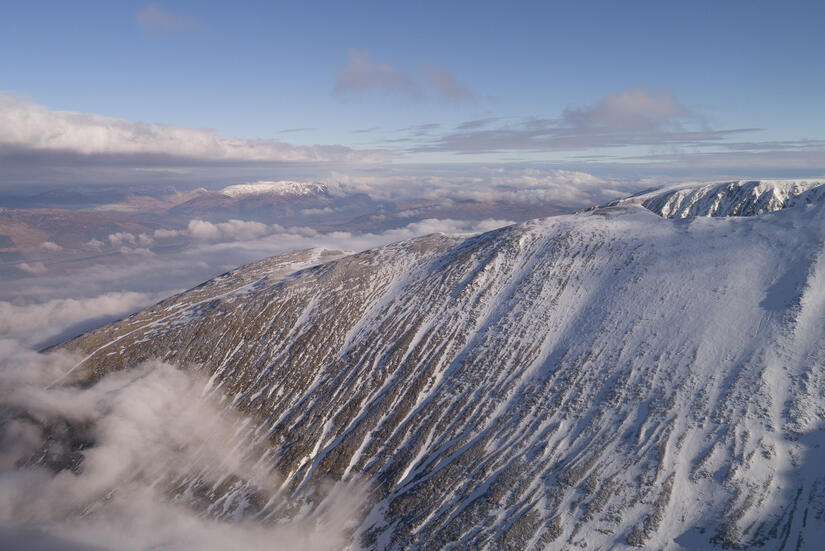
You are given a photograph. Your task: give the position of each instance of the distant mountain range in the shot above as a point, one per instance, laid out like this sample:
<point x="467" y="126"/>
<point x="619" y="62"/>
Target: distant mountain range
<point x="83" y="230"/>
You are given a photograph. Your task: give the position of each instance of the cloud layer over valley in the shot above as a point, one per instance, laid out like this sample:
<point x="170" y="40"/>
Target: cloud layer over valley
<point x="66" y="271"/>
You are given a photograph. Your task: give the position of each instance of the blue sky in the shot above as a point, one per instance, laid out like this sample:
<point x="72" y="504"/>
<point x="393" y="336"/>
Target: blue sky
<point x="401" y="77"/>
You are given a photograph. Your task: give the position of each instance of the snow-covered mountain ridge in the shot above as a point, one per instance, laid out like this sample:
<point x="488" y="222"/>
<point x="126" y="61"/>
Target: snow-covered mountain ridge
<point x="607" y="379"/>
<point x="281" y="187"/>
<point x="739" y="198"/>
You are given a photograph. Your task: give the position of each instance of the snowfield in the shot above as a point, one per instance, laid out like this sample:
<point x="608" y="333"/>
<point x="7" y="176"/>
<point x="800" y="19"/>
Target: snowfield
<point x="650" y="374"/>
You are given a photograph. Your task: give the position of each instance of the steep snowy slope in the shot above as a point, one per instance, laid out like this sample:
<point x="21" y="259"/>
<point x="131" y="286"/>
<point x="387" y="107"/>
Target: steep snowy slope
<point x="599" y="380"/>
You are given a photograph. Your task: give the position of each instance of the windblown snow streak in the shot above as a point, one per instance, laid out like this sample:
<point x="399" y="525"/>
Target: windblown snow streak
<point x="604" y="379"/>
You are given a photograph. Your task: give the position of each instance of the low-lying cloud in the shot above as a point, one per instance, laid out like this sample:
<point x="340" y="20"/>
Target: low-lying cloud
<point x="31" y="323"/>
<point x="243" y="230"/>
<point x="47" y="307"/>
<point x="139" y="460"/>
<point x="33" y="267"/>
<point x="570" y="188"/>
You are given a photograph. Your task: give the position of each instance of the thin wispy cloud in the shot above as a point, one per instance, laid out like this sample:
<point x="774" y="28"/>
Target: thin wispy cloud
<point x="445" y="83"/>
<point x="296" y="130"/>
<point x="781" y="145"/>
<point x="154" y="18"/>
<point x="361" y="73"/>
<point x="734" y="163"/>
<point x="477" y="123"/>
<point x="423" y="129"/>
<point x="635" y="117"/>
<point x="635" y="110"/>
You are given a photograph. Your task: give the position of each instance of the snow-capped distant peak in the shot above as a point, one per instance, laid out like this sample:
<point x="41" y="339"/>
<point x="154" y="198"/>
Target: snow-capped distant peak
<point x="739" y="198"/>
<point x="281" y="187"/>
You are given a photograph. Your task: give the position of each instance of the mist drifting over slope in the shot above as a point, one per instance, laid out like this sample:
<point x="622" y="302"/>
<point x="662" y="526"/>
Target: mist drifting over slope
<point x="142" y="459"/>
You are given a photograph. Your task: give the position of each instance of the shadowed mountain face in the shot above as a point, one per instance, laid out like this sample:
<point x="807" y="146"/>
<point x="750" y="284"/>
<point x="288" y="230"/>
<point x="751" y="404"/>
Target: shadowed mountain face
<point x="607" y="378"/>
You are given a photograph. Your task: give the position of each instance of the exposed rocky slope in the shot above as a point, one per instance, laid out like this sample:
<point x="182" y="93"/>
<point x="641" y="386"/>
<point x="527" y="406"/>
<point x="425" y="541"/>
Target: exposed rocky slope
<point x="607" y="379"/>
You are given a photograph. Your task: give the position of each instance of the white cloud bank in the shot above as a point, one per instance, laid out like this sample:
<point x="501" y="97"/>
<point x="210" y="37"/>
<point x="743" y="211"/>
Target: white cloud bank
<point x="573" y="189"/>
<point x="27" y="128"/>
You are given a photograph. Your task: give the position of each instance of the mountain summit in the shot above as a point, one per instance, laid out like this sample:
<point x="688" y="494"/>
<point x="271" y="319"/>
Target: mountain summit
<point x="644" y="374"/>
